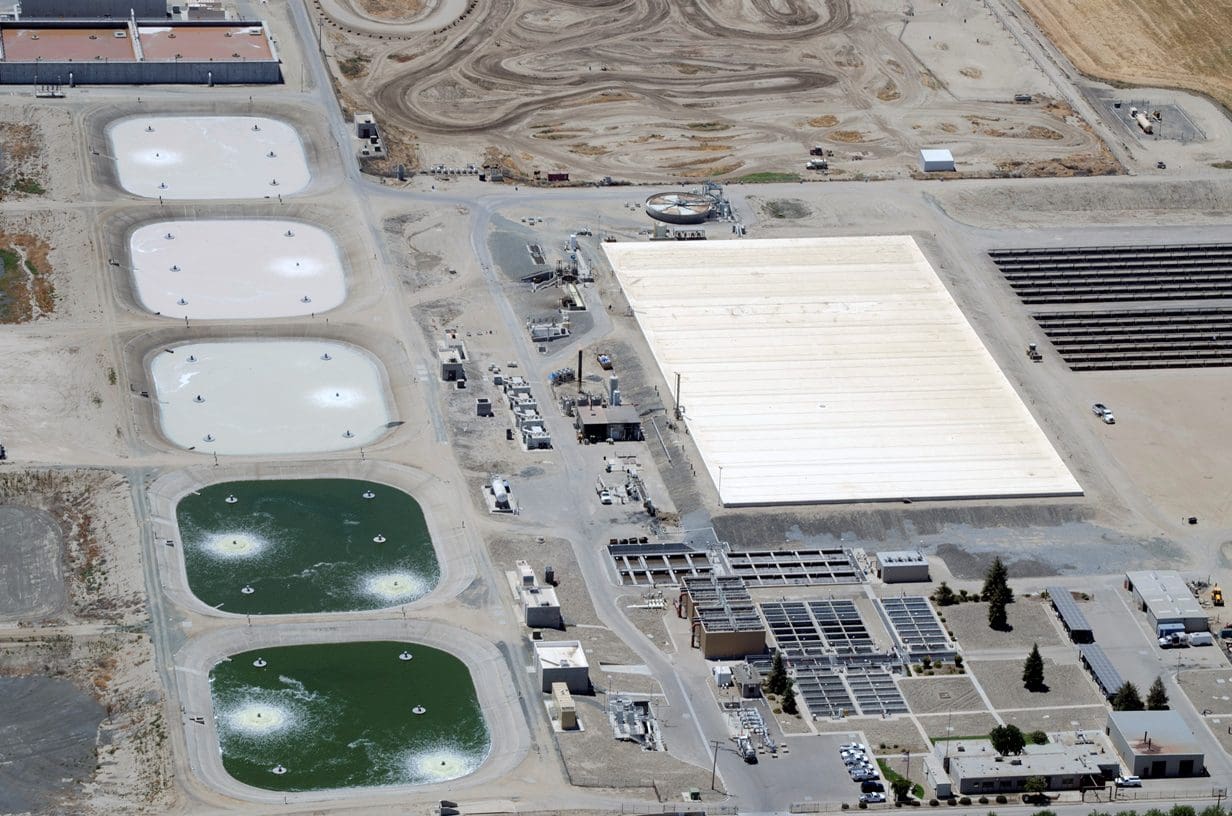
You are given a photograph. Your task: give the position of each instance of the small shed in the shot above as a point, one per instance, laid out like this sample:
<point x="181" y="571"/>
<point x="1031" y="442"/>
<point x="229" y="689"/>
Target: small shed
<point x="566" y="711"/>
<point x="747" y="679"/>
<point x="619" y="423"/>
<point x="936" y="160"/>
<point x="542" y="608"/>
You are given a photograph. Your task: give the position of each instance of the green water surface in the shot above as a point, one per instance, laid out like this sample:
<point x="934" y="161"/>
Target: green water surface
<point x="305" y="545"/>
<point x="342" y="715"/>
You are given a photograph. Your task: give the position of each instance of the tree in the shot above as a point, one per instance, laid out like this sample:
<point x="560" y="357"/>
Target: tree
<point x="1007" y="739"/>
<point x="1033" y="671"/>
<point x="1038" y="738"/>
<point x="901" y="787"/>
<point x="944" y="596"/>
<point x="1035" y="785"/>
<point x="776" y="683"/>
<point x="998" y="594"/>
<point x="1127" y="698"/>
<point x="1156" y="697"/>
<point x="997" y="583"/>
<point x="789" y="699"/>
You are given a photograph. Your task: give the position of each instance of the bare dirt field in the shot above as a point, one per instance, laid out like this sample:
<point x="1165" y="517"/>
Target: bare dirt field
<point x="1067" y="685"/>
<point x="1142" y="42"/>
<point x="1028" y="617"/>
<point x="650" y="90"/>
<point x="933" y="695"/>
<point x="898" y="734"/>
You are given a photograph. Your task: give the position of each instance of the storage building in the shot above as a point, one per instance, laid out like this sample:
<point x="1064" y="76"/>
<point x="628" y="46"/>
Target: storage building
<point x="936" y="160"/>
<point x="562" y="661"/>
<point x="1166" y="599"/>
<point x="1156" y="744"/>
<point x="618" y="423"/>
<point x="902" y="566"/>
<point x="566" y="711"/>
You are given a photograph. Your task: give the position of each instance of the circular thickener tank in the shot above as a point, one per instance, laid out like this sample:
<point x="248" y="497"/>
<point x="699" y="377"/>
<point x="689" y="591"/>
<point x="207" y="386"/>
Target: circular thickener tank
<point x="679" y="208"/>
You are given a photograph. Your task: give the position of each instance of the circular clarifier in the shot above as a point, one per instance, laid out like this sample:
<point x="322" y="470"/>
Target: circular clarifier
<point x="235" y="545"/>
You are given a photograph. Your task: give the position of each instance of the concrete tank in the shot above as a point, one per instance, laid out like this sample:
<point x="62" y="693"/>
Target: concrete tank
<point x="679" y="207"/>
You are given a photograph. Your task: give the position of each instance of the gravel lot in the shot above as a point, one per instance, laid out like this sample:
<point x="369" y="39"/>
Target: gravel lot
<point x="1068" y="685"/>
<point x="935" y="695"/>
<point x="1030" y="620"/>
<point x="1209" y="690"/>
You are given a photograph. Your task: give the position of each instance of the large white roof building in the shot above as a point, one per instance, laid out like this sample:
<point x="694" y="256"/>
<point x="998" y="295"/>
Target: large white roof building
<point x="832" y="369"/>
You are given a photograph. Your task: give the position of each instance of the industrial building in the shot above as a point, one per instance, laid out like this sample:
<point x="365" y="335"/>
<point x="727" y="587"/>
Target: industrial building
<point x="106" y="52"/>
<point x="93" y="9"/>
<point x="1156" y="744"/>
<point x="542" y="609"/>
<point x="451" y="356"/>
<point x="725" y="623"/>
<point x="902" y="566"/>
<point x="618" y="423"/>
<point x="1062" y="767"/>
<point x="936" y="160"/>
<point x="562" y="661"/>
<point x="1166" y="599"/>
<point x="892" y="393"/>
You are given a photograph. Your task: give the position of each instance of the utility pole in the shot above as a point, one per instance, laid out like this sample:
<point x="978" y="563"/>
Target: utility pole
<point x="714" y="765"/>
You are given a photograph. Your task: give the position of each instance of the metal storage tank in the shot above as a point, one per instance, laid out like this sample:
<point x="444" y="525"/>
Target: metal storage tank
<point x="679" y="207"/>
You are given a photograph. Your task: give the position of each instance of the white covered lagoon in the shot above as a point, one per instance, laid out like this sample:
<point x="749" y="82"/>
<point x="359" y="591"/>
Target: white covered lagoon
<point x="244" y="397"/>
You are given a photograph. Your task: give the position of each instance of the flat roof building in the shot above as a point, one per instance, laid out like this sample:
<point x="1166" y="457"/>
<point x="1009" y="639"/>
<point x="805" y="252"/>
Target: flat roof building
<point x="1063" y="767"/>
<point x="102" y="51"/>
<point x="832" y="370"/>
<point x="541" y="607"/>
<point x="902" y="566"/>
<point x="936" y="160"/>
<point x="619" y="423"/>
<point x="1166" y="599"/>
<point x="1156" y="744"/>
<point x="562" y="661"/>
<point x="725" y="623"/>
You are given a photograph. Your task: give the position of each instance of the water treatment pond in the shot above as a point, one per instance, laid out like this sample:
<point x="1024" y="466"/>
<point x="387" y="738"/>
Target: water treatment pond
<point x="269" y="396"/>
<point x="180" y="157"/>
<point x="343" y="715"/>
<point x="305" y="545"/>
<point x="236" y="268"/>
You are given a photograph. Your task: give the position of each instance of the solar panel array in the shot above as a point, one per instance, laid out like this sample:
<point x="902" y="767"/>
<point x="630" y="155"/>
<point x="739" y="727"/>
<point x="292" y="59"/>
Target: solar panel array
<point x="1141" y="338"/>
<point x="1101" y="668"/>
<point x="917" y="628"/>
<point x="824" y="693"/>
<point x="1117" y="273"/>
<point x="1071" y="616"/>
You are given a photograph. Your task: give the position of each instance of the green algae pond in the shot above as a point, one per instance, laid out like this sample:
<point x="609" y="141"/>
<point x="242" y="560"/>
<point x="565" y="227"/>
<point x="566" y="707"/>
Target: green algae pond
<point x="346" y="715"/>
<point x="269" y="546"/>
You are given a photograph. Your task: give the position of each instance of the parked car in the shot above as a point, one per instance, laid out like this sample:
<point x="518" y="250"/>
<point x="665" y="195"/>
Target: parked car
<point x="871" y="798"/>
<point x="872" y="786"/>
<point x="1128" y="782"/>
<point x="1103" y="412"/>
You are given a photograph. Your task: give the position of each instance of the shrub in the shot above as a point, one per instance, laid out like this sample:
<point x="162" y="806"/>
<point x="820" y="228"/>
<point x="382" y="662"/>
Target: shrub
<point x="846" y="806"/>
<point x="1045" y="813"/>
<point x="933" y="803"/>
<point x="966" y="800"/>
<point x="983" y="800"/>
<point x="1182" y="810"/>
<point x="863" y="806"/>
<point x="1001" y="800"/>
<point x="1039" y="738"/>
<point x="951" y="801"/>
